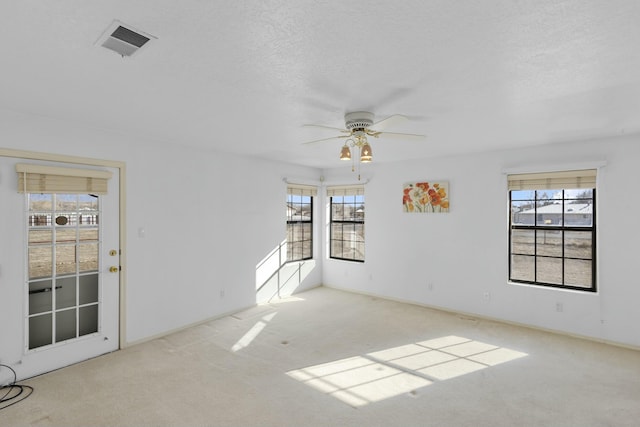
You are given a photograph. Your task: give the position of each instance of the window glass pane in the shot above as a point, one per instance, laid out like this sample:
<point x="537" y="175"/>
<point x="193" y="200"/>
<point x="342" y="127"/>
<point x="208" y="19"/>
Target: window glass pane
<point x="549" y="270"/>
<point x="578" y="272"/>
<point x="40" y="331"/>
<point x="523" y="195"/>
<point x="40" y="297"/>
<point x="549" y="196"/>
<point x="88" y="289"/>
<point x="523" y="268"/>
<point x="336" y="232"/>
<point x="358" y="232"/>
<point x="306" y="231"/>
<point x="337" y="211"/>
<point x="88" y="257"/>
<point x="65" y="259"/>
<point x="40" y="261"/>
<point x="296" y="233"/>
<point x="522" y="242"/>
<point x="40" y="202"/>
<point x="583" y="193"/>
<point x="65" y="325"/>
<point x="548" y="213"/>
<point x="577" y="244"/>
<point x="549" y="243"/>
<point x="578" y="213"/>
<point x="65" y="292"/>
<point x="336" y="249"/>
<point x="523" y="212"/>
<point x="306" y="249"/>
<point x="348" y="231"/>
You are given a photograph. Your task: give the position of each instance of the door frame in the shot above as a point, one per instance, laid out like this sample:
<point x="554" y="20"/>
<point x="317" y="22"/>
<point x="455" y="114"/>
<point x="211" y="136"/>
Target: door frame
<point x="121" y="167"/>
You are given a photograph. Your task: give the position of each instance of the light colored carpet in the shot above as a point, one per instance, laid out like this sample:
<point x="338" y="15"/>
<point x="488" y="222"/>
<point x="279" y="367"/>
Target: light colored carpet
<point x="331" y="358"/>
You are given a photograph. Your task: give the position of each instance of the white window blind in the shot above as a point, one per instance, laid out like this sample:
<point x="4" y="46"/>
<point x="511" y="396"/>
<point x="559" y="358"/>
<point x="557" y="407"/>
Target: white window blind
<point x="553" y="180"/>
<point x="49" y="179"/>
<point x="302" y="190"/>
<point x="345" y="190"/>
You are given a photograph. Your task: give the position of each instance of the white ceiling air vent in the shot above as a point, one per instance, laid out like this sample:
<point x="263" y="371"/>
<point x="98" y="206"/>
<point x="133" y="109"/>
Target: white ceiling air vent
<point x="123" y="39"/>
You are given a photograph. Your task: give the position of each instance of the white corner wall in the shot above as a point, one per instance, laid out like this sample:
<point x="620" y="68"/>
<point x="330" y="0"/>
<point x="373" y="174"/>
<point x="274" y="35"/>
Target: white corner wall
<point x="458" y="261"/>
<point x="209" y="218"/>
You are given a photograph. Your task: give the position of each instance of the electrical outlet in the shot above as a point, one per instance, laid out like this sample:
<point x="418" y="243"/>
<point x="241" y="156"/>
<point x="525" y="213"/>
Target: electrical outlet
<point x="559" y="307"/>
<point x="486" y="296"/>
<point x="430" y="286"/>
<point x="222" y="293"/>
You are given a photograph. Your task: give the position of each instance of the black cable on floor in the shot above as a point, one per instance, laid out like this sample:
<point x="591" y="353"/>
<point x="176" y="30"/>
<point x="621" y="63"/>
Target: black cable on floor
<point x="14" y="392"/>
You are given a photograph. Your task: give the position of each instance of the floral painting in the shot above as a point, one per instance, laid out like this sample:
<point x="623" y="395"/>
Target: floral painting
<point x="426" y="197"/>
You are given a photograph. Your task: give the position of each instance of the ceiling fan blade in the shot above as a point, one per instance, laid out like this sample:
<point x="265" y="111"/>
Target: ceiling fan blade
<point x="327" y="139"/>
<point x="328" y="127"/>
<point x="389" y="121"/>
<point x="403" y="135"/>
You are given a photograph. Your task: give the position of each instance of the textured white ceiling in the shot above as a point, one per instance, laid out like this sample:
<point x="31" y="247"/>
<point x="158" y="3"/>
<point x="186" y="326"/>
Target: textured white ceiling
<point x="244" y="76"/>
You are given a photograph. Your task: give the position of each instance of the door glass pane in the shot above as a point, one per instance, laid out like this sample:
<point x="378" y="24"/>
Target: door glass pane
<point x="40" y="202"/>
<point x="88" y="289"/>
<point x="89" y="234"/>
<point x="40" y="331"/>
<point x="65" y="259"/>
<point x="65" y="292"/>
<point x="64" y="228"/>
<point x="88" y="257"/>
<point x="40" y="296"/>
<point x="65" y="235"/>
<point x="40" y="261"/>
<point x="65" y="325"/>
<point x="87" y="202"/>
<point x="88" y="320"/>
<point x="66" y="202"/>
<point x="40" y="235"/>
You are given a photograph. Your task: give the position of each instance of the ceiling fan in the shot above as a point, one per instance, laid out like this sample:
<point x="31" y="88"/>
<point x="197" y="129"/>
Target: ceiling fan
<point x="359" y="125"/>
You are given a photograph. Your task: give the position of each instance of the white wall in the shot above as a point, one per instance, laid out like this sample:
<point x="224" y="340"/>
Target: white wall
<point x="209" y="218"/>
<point x="452" y="260"/>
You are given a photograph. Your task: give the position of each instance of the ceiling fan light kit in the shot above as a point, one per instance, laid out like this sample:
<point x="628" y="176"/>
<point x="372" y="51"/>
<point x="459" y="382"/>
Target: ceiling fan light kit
<point x="345" y="154"/>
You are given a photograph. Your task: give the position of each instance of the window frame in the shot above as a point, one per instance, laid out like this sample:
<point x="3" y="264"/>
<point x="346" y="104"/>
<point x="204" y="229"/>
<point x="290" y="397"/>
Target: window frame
<point x="333" y="221"/>
<point x="535" y="227"/>
<point x="294" y="223"/>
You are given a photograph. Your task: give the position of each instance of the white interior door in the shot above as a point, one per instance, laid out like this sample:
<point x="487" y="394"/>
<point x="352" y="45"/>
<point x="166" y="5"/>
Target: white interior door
<point x="59" y="274"/>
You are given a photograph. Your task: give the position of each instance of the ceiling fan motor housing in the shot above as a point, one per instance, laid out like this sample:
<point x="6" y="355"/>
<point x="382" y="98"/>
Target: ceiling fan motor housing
<point x="358" y="120"/>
